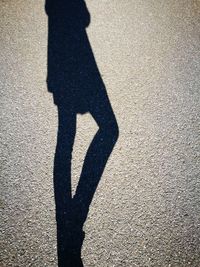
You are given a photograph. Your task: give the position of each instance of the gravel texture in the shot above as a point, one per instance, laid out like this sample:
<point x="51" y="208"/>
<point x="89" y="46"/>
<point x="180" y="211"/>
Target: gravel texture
<point x="146" y="210"/>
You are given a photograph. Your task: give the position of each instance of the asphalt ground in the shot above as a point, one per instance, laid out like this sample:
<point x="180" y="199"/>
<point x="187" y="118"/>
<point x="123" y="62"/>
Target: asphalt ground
<point x="146" y="209"/>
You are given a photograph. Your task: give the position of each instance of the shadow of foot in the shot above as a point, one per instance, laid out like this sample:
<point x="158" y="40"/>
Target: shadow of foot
<point x="70" y="241"/>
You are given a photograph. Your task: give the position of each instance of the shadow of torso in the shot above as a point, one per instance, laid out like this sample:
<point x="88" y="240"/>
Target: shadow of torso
<point x="73" y="75"/>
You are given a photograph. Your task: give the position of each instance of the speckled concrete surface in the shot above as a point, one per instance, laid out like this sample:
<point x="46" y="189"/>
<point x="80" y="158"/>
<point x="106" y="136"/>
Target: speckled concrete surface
<point x="146" y="210"/>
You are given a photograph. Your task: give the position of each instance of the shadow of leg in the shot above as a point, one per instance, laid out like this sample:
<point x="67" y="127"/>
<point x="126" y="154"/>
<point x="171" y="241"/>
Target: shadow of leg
<point x="69" y="240"/>
<point x="69" y="246"/>
<point x="96" y="157"/>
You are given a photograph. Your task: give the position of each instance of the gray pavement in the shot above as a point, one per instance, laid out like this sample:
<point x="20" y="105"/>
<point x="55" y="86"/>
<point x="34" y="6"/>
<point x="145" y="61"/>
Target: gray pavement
<point x="146" y="210"/>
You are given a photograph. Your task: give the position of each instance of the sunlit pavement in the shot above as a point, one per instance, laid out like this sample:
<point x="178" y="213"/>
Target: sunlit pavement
<point x="146" y="210"/>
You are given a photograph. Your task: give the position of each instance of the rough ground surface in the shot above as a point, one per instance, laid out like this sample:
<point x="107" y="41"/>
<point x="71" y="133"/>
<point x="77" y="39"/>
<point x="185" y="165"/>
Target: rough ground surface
<point x="146" y="210"/>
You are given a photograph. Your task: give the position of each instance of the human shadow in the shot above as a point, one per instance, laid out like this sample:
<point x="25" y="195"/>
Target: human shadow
<point x="77" y="87"/>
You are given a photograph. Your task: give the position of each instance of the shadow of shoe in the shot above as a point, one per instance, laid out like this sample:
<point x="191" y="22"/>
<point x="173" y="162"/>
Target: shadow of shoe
<point x="70" y="241"/>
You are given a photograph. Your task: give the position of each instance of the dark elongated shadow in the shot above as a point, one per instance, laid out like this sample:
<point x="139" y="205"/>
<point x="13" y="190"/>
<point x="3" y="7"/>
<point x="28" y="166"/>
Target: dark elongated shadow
<point x="77" y="87"/>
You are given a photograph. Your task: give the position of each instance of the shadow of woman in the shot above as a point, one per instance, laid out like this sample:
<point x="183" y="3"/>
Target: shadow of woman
<point x="77" y="87"/>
